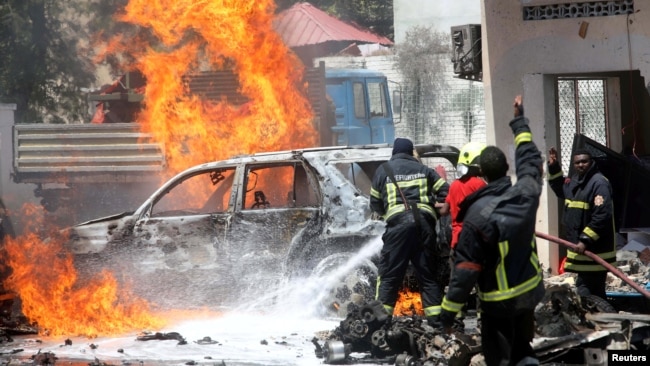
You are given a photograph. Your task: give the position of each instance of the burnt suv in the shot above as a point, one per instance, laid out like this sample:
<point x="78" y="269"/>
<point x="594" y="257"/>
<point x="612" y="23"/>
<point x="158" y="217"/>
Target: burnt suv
<point x="230" y="231"/>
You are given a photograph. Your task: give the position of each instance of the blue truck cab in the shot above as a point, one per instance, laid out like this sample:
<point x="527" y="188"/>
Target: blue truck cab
<point x="363" y="112"/>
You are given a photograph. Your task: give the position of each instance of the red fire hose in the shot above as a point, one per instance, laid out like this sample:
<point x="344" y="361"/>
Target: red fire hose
<point x="598" y="259"/>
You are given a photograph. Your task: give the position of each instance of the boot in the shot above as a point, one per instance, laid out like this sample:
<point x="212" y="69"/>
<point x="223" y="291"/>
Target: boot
<point x="459" y="322"/>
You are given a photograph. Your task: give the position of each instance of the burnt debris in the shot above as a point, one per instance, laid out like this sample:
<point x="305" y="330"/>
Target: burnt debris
<point x="370" y="335"/>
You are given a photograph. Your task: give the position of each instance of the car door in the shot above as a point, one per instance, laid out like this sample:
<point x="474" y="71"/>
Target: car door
<point x="279" y="200"/>
<point x="180" y="242"/>
<point x="380" y="117"/>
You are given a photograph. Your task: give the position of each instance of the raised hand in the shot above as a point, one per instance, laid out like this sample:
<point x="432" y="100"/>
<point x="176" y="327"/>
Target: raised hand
<point x="519" y="106"/>
<point x="552" y="155"/>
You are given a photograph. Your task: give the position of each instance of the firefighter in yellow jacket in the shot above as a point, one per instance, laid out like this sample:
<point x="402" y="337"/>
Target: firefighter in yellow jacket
<point x="405" y="193"/>
<point x="588" y="219"/>
<point x="497" y="251"/>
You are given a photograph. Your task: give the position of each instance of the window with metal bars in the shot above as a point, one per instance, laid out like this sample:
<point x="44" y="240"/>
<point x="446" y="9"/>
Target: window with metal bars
<point x="581" y="108"/>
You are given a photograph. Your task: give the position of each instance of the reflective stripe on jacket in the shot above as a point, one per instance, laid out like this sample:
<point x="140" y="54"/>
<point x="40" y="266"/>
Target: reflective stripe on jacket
<point x="419" y="183"/>
<point x="497" y="248"/>
<point x="588" y="216"/>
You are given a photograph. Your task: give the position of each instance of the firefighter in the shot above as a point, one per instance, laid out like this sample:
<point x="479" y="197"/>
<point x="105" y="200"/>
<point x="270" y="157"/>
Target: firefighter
<point x="409" y="209"/>
<point x="588" y="219"/>
<point x="469" y="181"/>
<point x="497" y="251"/>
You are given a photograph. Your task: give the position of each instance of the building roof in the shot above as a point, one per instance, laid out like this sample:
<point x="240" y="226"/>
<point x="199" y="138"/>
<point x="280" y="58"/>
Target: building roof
<point x="303" y="25"/>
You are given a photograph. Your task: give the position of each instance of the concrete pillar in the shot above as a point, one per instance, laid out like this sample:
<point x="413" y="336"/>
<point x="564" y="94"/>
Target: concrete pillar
<point x="539" y="104"/>
<point x="6" y="153"/>
<point x="14" y="195"/>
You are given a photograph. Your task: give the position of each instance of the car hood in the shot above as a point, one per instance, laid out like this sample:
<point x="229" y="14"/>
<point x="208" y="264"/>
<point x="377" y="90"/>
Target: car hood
<point x="105" y="218"/>
<point x="93" y="236"/>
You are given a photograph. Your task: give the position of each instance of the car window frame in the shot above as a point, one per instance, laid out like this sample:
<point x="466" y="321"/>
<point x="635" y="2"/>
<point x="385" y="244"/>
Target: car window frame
<point x="311" y="179"/>
<point x="145" y="211"/>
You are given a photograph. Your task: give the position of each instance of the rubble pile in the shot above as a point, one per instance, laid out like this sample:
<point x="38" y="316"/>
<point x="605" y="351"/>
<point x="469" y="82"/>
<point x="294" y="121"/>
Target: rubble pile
<point x="560" y="312"/>
<point x="570" y="329"/>
<point x="635" y="265"/>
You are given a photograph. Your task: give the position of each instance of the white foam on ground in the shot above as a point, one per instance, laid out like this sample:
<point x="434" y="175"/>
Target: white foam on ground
<point x="277" y="329"/>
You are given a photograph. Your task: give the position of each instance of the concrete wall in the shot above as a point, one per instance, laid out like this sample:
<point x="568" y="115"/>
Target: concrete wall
<point x="513" y="48"/>
<point x="524" y="57"/>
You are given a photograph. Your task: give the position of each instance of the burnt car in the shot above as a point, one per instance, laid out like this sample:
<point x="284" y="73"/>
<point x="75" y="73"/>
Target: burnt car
<point x="230" y="231"/>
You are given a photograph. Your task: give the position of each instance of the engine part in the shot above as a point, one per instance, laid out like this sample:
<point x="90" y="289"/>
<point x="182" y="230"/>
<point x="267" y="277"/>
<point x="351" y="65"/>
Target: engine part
<point x="374" y="312"/>
<point x="379" y="340"/>
<point x="336" y="352"/>
<point x="358" y="329"/>
<point x="405" y="360"/>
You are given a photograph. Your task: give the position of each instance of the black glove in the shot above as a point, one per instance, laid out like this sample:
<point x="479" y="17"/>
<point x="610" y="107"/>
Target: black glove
<point x="447" y="318"/>
<point x="586" y="239"/>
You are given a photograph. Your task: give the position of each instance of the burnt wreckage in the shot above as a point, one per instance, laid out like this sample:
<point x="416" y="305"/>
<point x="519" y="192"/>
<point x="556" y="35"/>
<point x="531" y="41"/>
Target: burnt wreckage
<point x="317" y="205"/>
<point x="289" y="214"/>
<point x="568" y="331"/>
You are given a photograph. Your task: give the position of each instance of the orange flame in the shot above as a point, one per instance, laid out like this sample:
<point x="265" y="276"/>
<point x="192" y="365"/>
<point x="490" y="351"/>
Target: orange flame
<point x="182" y="37"/>
<point x="53" y="297"/>
<point x="189" y="36"/>
<point x="409" y="303"/>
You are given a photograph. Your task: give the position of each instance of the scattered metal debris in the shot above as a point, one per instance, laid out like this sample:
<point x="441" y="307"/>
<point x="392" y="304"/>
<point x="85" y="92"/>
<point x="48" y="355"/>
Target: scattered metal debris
<point x="45" y="358"/>
<point x="381" y="338"/>
<point x="13" y="351"/>
<point x="570" y="330"/>
<point x="206" y="340"/>
<point x="162" y="336"/>
<point x="97" y="362"/>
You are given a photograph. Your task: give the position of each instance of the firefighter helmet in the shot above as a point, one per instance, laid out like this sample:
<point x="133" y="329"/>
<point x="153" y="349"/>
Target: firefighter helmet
<point x="470" y="153"/>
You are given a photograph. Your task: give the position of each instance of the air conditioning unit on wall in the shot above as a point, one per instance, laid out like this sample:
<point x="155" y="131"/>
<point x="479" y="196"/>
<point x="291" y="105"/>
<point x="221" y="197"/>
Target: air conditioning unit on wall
<point x="466" y="46"/>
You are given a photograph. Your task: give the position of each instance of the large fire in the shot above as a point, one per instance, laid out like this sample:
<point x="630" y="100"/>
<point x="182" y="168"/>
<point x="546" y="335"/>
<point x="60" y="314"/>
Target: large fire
<point x="44" y="278"/>
<point x="185" y="37"/>
<point x="182" y="37"/>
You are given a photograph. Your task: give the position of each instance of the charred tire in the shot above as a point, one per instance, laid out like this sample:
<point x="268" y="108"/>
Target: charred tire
<point x="348" y="284"/>
<point x="596" y="304"/>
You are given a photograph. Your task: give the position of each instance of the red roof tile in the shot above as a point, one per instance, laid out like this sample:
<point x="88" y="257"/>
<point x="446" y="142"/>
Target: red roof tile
<point x="304" y="25"/>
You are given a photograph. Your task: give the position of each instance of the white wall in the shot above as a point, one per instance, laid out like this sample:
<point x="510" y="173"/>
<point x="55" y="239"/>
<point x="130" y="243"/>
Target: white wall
<point x="523" y="57"/>
<point x="520" y="57"/>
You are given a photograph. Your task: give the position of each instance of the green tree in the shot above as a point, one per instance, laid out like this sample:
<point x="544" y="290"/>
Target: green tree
<point x="420" y="61"/>
<point x="47" y="58"/>
<point x="375" y="15"/>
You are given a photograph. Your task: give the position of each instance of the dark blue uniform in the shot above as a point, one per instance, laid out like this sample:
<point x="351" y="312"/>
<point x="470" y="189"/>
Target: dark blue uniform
<point x="406" y="240"/>
<point x="588" y="218"/>
<point x="497" y="251"/>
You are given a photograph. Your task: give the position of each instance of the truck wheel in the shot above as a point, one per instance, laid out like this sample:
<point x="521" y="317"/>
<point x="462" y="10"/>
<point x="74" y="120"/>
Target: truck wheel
<point x="596" y="304"/>
<point x="348" y="284"/>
